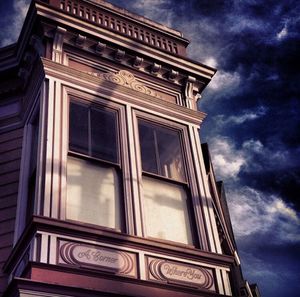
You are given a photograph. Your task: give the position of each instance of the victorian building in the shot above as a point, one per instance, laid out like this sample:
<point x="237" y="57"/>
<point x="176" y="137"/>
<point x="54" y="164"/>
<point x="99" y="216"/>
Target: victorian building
<point x="105" y="189"/>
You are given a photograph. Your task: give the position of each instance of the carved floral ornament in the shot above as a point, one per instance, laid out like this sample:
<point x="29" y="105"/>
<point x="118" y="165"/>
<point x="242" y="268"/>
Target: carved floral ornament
<point x="126" y="79"/>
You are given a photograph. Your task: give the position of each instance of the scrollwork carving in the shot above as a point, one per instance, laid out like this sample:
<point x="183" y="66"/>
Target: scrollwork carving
<point x="126" y="79"/>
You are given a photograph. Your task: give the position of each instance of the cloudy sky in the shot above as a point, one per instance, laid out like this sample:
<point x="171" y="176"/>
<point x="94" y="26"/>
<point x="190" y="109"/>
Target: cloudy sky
<point x="253" y="123"/>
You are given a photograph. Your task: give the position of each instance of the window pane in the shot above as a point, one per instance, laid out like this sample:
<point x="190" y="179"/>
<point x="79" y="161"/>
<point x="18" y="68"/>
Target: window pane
<point x="103" y="134"/>
<point x="166" y="211"/>
<point x="161" y="151"/>
<point x="93" y="194"/>
<point x="149" y="162"/>
<point x="78" y="137"/>
<point x="170" y="156"/>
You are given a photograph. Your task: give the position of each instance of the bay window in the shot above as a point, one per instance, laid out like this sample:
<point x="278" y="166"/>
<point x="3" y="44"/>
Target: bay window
<point x="95" y="179"/>
<point x="93" y="166"/>
<point x="164" y="183"/>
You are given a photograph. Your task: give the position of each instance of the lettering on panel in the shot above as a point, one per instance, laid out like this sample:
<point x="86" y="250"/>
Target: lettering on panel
<point x="181" y="273"/>
<point x="98" y="257"/>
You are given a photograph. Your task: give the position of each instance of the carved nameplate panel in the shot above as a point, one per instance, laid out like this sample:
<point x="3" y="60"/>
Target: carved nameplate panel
<point x="180" y="273"/>
<point x="97" y="257"/>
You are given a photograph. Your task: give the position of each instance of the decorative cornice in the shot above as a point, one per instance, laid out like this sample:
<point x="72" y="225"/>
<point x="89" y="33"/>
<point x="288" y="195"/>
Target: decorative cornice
<point x="126" y="79"/>
<point x="124" y="23"/>
<point x="95" y="81"/>
<point x="134" y="47"/>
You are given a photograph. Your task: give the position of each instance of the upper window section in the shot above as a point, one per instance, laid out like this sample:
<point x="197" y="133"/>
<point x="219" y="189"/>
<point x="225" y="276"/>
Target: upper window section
<point x="93" y="132"/>
<point x="161" y="151"/>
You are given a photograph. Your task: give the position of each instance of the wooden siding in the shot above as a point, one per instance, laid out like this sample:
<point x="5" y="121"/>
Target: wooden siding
<point x="10" y="159"/>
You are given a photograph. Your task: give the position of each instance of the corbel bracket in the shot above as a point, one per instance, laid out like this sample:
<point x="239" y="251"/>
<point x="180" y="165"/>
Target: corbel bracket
<point x="189" y="92"/>
<point x="57" y="50"/>
<point x="155" y="68"/>
<point x="100" y="47"/>
<point x="173" y="75"/>
<point x="80" y="40"/>
<point x="137" y="63"/>
<point x="119" y="55"/>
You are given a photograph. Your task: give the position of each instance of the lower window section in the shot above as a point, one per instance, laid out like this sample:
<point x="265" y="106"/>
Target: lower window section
<point x="93" y="194"/>
<point x="166" y="211"/>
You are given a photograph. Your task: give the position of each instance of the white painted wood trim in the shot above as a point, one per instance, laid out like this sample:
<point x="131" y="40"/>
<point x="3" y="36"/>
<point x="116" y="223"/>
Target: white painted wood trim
<point x="124" y="148"/>
<point x="200" y="176"/>
<point x="64" y="153"/>
<point x="220" y="281"/>
<point x="44" y="248"/>
<point x="226" y="283"/>
<point x="134" y="166"/>
<point x="49" y="147"/>
<point x="56" y="153"/>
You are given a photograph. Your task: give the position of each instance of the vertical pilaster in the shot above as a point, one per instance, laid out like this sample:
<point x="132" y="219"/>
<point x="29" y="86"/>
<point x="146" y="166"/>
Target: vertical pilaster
<point x="135" y="180"/>
<point x="206" y="199"/>
<point x="53" y="167"/>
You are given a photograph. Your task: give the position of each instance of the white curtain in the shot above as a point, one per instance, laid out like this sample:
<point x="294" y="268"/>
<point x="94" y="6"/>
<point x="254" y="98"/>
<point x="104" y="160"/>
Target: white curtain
<point x="166" y="211"/>
<point x="93" y="194"/>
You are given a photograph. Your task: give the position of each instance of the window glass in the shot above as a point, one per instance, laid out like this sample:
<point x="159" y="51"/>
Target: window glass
<point x="78" y="134"/>
<point x="103" y="135"/>
<point x="93" y="193"/>
<point x="93" y="132"/>
<point x="165" y="202"/>
<point x="166" y="210"/>
<point x="147" y="140"/>
<point x="169" y="153"/>
<point x="93" y="185"/>
<point x="161" y="151"/>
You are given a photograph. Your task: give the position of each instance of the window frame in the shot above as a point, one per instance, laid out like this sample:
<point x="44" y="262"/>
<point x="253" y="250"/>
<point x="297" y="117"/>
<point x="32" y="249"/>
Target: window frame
<point x="30" y="176"/>
<point x="180" y="131"/>
<point x="185" y="147"/>
<point x="118" y="144"/>
<point x="120" y="167"/>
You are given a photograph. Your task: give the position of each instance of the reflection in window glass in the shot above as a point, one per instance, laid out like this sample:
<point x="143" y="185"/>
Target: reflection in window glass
<point x="103" y="135"/>
<point x="148" y="149"/>
<point x="166" y="211"/>
<point x="78" y="134"/>
<point x="93" y="193"/>
<point x="93" y="132"/>
<point x="161" y="151"/>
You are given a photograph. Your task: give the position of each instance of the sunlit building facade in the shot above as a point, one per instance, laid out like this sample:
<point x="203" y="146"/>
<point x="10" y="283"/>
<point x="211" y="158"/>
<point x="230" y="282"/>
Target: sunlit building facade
<point x="105" y="187"/>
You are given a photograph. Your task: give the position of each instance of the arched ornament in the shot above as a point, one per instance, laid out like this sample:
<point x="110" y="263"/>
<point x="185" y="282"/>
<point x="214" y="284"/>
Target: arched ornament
<point x="126" y="79"/>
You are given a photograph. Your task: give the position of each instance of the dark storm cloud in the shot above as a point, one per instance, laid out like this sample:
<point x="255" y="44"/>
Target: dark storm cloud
<point x="285" y="182"/>
<point x="12" y="14"/>
<point x="263" y="49"/>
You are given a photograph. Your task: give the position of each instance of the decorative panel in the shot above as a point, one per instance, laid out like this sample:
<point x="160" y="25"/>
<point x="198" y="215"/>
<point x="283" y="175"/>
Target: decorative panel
<point x="174" y="272"/>
<point x="97" y="257"/>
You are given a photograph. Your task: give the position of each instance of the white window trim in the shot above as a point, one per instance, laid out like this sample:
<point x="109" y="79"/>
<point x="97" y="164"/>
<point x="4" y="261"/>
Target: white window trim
<point x="189" y="170"/>
<point x="126" y="196"/>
